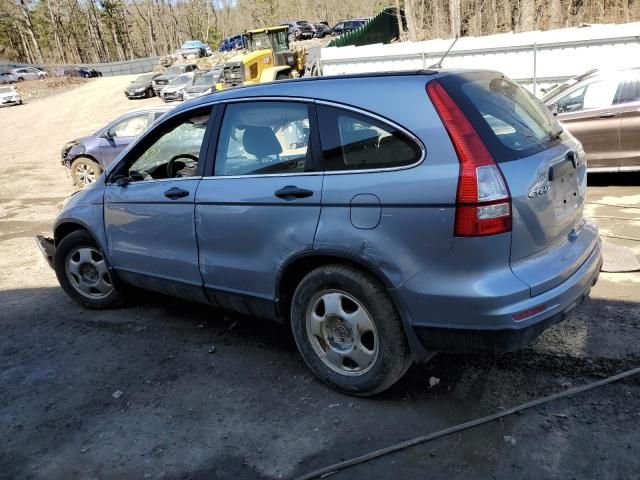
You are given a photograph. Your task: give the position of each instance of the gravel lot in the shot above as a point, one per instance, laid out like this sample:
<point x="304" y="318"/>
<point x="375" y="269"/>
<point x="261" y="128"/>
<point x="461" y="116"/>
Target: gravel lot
<point x="252" y="409"/>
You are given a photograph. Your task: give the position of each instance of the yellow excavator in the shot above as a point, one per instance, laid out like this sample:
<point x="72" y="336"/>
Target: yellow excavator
<point x="268" y="57"/>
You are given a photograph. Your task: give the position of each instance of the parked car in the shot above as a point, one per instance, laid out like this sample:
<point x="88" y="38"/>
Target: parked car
<point x="9" y="96"/>
<point x="28" y="73"/>
<point x="299" y="30"/>
<point x="381" y="233"/>
<point x="347" y="26"/>
<point x="602" y="109"/>
<point x="322" y="29"/>
<point x="173" y="71"/>
<point x="75" y="71"/>
<point x="142" y="86"/>
<point x="193" y="47"/>
<point x="203" y="84"/>
<point x="232" y="43"/>
<point x="7" y="77"/>
<point x="87" y="157"/>
<point x="175" y="90"/>
<point x="87" y="72"/>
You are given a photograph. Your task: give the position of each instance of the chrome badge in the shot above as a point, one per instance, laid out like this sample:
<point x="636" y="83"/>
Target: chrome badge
<point x="541" y="185"/>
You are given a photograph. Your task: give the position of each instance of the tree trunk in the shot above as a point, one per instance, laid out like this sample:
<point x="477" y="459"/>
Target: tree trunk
<point x="37" y="53"/>
<point x="399" y="18"/>
<point x="555" y="14"/>
<point x="409" y="14"/>
<point x="56" y="36"/>
<point x="527" y="16"/>
<point x="454" y="15"/>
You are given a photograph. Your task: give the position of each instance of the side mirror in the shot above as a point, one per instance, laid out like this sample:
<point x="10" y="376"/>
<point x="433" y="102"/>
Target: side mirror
<point x="108" y="135"/>
<point x="554" y="109"/>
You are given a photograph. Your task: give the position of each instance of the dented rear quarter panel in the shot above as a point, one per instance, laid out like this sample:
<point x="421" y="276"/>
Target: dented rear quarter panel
<point x="417" y="204"/>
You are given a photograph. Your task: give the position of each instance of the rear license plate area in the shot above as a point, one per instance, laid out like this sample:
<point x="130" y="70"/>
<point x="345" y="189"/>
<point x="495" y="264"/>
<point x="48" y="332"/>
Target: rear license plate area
<point x="565" y="188"/>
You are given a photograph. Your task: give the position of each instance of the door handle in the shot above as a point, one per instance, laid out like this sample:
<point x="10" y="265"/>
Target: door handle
<point x="175" y="193"/>
<point x="291" y="192"/>
<point x="607" y="115"/>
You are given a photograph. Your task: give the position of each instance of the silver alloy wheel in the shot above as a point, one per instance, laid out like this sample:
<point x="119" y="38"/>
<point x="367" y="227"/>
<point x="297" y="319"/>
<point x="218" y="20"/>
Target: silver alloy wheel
<point x="87" y="272"/>
<point x="85" y="173"/>
<point x="342" y="332"/>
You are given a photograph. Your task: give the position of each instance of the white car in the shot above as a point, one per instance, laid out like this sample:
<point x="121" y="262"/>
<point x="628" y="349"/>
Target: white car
<point x="27" y="73"/>
<point x="10" y="96"/>
<point x="177" y="86"/>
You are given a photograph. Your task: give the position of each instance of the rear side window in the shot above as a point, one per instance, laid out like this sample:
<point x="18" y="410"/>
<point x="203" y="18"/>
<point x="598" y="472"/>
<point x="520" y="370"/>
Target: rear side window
<point x="630" y="91"/>
<point x="351" y="141"/>
<point x="512" y="123"/>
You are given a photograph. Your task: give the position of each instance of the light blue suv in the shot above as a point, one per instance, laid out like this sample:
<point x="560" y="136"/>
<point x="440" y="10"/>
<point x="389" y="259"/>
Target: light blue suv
<point x="385" y="217"/>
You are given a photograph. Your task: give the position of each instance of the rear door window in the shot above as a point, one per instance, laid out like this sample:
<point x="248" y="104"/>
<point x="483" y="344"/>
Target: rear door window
<point x="260" y="138"/>
<point x="352" y="141"/>
<point x="512" y="123"/>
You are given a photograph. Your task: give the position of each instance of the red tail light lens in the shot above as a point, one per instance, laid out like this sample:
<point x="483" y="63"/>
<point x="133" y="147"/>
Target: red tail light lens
<point x="483" y="203"/>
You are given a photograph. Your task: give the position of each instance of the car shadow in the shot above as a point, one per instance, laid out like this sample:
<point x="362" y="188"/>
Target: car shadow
<point x="91" y="387"/>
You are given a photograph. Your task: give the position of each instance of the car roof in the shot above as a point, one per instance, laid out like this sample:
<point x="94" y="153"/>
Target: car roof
<point x="303" y="87"/>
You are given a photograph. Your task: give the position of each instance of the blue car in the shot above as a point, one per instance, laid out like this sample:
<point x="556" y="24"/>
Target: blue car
<point x="87" y="157"/>
<point x="229" y="44"/>
<point x="384" y="217"/>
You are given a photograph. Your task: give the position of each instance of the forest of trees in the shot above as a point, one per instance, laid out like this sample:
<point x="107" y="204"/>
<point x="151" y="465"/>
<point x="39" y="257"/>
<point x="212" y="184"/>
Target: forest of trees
<point x="88" y="31"/>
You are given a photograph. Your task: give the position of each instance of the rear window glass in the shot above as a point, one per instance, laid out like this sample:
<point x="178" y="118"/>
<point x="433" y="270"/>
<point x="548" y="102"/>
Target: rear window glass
<point x="351" y="141"/>
<point x="512" y="123"/>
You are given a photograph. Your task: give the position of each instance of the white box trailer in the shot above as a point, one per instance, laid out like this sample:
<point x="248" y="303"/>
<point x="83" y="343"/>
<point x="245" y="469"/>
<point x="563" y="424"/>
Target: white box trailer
<point x="536" y="59"/>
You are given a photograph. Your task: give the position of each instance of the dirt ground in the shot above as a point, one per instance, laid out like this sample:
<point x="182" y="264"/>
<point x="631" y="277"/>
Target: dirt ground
<point x="251" y="409"/>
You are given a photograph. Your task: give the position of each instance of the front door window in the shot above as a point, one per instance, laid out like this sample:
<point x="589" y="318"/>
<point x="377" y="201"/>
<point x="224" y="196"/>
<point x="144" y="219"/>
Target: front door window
<point x="173" y="152"/>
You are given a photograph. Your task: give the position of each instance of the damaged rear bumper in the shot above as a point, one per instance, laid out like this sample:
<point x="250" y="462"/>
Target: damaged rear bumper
<point x="498" y="331"/>
<point x="47" y="248"/>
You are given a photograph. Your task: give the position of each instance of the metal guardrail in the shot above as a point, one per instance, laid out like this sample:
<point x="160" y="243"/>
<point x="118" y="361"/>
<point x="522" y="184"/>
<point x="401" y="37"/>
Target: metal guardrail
<point x="127" y="67"/>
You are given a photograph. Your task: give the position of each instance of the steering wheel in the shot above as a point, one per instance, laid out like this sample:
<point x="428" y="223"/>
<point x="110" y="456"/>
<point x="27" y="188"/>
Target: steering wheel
<point x="174" y="166"/>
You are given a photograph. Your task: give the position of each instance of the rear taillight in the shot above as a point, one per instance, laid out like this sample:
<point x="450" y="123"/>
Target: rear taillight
<point x="483" y="202"/>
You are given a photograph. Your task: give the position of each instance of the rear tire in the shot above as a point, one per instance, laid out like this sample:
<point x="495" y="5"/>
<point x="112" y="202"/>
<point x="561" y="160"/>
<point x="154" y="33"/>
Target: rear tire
<point x="82" y="271"/>
<point x="348" y="330"/>
<point x="84" y="171"/>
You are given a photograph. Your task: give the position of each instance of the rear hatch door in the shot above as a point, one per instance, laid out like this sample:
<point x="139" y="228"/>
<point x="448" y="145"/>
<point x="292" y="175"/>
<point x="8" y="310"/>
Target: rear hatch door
<point x="545" y="172"/>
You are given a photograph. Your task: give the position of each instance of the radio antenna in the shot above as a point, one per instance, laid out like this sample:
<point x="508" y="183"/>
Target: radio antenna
<point x="439" y="64"/>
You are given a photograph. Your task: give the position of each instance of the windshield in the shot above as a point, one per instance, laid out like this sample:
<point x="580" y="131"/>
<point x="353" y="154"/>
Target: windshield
<point x="175" y="70"/>
<point x="181" y="79"/>
<point x="205" y="80"/>
<point x="191" y="44"/>
<point x="143" y="78"/>
<point x="563" y="86"/>
<point x="5" y="90"/>
<point x="260" y="41"/>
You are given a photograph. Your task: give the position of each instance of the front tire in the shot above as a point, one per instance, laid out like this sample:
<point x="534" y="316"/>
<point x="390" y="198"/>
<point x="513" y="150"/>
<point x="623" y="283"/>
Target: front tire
<point x="348" y="330"/>
<point x="282" y="76"/>
<point x="84" y="171"/>
<point x="82" y="271"/>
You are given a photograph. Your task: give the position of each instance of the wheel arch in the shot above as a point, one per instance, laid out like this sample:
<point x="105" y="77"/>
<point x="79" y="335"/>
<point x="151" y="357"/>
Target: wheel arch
<point x="88" y="156"/>
<point x="299" y="265"/>
<point x="67" y="227"/>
